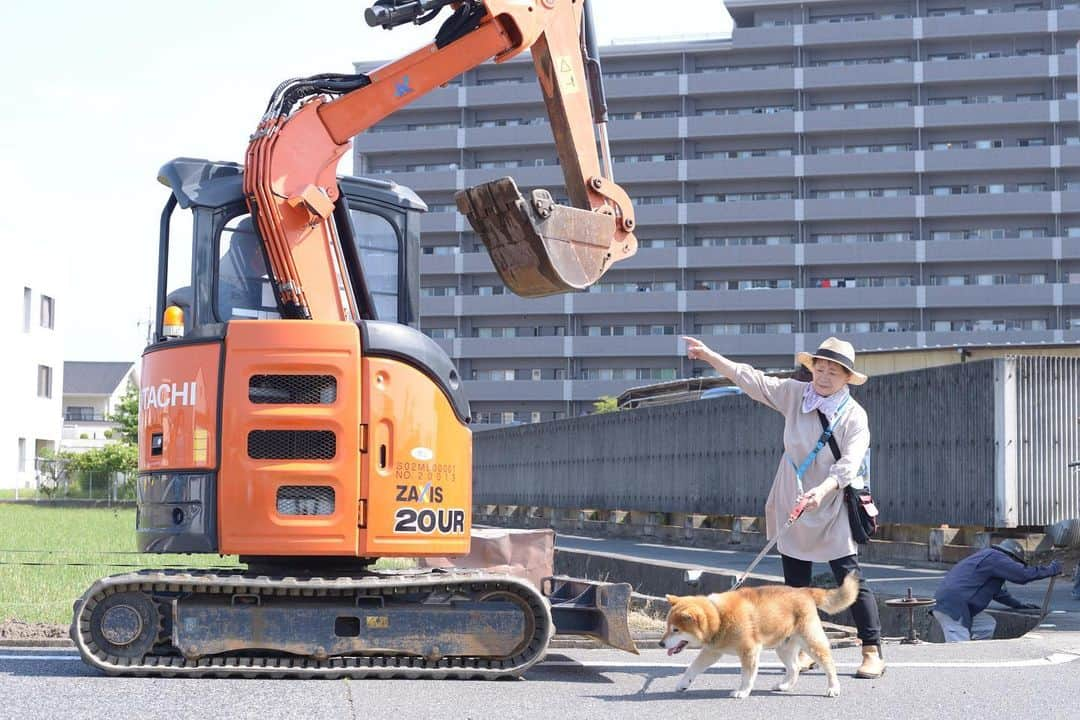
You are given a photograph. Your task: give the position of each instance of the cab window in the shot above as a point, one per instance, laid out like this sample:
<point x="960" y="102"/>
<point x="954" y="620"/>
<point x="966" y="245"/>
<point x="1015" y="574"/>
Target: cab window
<point x="244" y="290"/>
<point x="378" y="247"/>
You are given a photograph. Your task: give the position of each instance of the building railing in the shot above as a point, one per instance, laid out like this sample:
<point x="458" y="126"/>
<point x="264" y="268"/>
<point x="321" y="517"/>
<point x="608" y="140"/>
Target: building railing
<point x="77" y="416"/>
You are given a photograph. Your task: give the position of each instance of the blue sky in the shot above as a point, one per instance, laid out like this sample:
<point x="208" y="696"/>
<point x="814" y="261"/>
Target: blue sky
<point x="96" y="96"/>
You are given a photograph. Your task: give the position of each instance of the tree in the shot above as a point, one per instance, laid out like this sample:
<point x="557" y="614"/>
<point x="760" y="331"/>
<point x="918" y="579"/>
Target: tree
<point x="52" y="467"/>
<point x="127" y="415"/>
<point x="605" y="404"/>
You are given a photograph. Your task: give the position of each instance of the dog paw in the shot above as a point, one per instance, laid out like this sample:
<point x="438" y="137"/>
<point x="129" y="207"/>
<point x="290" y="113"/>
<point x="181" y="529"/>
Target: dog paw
<point x="740" y="694"/>
<point x="784" y="686"/>
<point x="682" y="685"/>
<point x="832" y="692"/>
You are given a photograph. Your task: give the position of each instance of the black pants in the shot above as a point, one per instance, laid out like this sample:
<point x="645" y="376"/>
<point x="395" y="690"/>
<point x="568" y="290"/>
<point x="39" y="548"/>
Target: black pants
<point x="865" y="609"/>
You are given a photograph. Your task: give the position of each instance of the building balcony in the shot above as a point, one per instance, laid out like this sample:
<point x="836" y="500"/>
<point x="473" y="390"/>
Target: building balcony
<point x="975" y="115"/>
<point x="513" y="390"/>
<point x="763" y="37"/>
<point x="626" y="302"/>
<point x="651" y="259"/>
<point x="1070" y="201"/>
<point x="975" y="26"/>
<point x="1036" y="203"/>
<point x="860" y="208"/>
<point x="990" y="296"/>
<point x="860" y="76"/>
<point x="637" y="346"/>
<point x="741" y="81"/>
<point x="588" y="390"/>
<point x="1070" y="248"/>
<point x="1013" y="158"/>
<point x="511" y="304"/>
<point x="523" y="93"/>
<point x="868" y="340"/>
<point x="666" y="171"/>
<point x="859" y="120"/>
<point x="706" y="126"/>
<point x="865" y="298"/>
<point x="405" y="141"/>
<point x="437" y="307"/>
<point x="880" y="163"/>
<point x="875" y="253"/>
<point x="546" y="176"/>
<point x="443" y="222"/>
<point x="989" y="69"/>
<point x="644" y="129"/>
<point x="644" y="87"/>
<point x="1068" y="20"/>
<point x="866" y="32"/>
<point x="762" y="168"/>
<point x="963" y="251"/>
<point x="989" y="337"/>
<point x="477" y="138"/>
<point x="745" y="211"/>
<point x="513" y="347"/>
<point x="1070" y="295"/>
<point x="750" y="344"/>
<point x="738" y="300"/>
<point x="741" y="256"/>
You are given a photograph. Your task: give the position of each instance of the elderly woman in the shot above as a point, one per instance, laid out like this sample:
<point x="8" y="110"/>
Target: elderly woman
<point x="822" y="533"/>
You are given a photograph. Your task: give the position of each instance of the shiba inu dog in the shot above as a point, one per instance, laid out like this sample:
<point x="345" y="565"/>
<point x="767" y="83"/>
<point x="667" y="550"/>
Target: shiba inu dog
<point x="743" y="621"/>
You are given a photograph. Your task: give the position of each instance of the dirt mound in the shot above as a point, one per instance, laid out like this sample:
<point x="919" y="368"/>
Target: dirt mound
<point x="19" y="630"/>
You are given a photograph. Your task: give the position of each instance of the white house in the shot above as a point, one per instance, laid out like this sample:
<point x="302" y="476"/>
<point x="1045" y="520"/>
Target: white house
<point x="92" y="392"/>
<point x="34" y="369"/>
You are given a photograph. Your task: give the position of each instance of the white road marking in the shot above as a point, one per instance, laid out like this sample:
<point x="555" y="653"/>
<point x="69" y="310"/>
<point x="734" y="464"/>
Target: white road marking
<point x="4" y="656"/>
<point x="1058" y="658"/>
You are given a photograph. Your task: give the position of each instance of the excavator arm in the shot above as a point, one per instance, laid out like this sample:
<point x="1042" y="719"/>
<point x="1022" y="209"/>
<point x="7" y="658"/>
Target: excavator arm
<point x="538" y="246"/>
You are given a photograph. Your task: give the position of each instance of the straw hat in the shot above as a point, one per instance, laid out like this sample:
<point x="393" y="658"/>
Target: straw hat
<point x="839" y="352"/>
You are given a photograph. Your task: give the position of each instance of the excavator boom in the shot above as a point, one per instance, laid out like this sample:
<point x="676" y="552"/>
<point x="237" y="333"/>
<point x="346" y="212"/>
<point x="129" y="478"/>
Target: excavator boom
<point x="538" y="246"/>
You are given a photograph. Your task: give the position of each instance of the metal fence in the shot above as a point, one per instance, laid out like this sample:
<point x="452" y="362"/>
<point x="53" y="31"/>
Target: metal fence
<point x="941" y="450"/>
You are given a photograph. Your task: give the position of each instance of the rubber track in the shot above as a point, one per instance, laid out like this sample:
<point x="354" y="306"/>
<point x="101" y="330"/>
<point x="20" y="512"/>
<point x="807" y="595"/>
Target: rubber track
<point x="154" y="582"/>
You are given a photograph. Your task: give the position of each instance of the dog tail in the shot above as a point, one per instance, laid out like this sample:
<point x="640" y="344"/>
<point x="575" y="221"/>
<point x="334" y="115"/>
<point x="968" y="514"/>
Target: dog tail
<point x="838" y="599"/>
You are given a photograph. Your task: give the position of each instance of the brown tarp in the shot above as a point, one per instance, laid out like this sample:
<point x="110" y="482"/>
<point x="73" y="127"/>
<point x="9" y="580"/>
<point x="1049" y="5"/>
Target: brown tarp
<point x="528" y="554"/>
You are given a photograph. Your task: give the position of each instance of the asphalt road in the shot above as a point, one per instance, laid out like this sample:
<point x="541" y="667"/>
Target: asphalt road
<point x="1032" y="677"/>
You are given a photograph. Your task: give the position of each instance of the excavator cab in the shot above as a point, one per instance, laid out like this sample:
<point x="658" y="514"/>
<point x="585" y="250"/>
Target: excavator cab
<point x="223" y="274"/>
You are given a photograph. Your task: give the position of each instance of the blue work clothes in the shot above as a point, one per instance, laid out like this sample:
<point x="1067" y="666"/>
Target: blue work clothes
<point x="967" y="589"/>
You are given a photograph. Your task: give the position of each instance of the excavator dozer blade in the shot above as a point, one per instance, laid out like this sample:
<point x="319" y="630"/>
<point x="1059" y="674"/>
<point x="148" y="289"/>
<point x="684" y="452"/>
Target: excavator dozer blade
<point x="596" y="609"/>
<point x="538" y="247"/>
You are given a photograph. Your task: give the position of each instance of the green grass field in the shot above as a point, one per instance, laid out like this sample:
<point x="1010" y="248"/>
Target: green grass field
<point x="50" y="555"/>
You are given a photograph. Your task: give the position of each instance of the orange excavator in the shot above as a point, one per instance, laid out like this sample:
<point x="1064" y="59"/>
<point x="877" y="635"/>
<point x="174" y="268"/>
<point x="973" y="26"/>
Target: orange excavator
<point x="292" y="414"/>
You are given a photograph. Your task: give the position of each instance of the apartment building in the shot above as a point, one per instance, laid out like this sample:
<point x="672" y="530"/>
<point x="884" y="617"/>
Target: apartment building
<point x="905" y="174"/>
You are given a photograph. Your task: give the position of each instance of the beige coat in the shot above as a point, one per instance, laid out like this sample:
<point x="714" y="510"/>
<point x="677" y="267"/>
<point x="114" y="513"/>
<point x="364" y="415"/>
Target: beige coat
<point x="821" y="534"/>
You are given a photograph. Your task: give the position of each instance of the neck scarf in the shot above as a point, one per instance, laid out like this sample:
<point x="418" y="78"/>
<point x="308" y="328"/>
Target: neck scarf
<point x="812" y="401"/>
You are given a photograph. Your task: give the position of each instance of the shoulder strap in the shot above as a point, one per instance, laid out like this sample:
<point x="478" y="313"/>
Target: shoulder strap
<point x="832" y="438"/>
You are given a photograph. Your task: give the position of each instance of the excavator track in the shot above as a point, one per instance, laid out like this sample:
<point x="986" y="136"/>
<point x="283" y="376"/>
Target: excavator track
<point x="175" y="623"/>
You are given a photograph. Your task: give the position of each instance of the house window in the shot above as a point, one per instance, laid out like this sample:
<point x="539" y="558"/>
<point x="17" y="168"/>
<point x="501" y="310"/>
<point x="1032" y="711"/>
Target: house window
<point x="44" y="381"/>
<point x="21" y="467"/>
<point x="27" y="296"/>
<point x="47" y="309"/>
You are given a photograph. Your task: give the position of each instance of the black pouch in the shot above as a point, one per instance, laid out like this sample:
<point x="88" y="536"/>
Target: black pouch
<point x="861" y="510"/>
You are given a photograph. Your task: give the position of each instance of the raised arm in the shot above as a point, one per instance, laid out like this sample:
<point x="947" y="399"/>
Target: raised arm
<point x="766" y="389"/>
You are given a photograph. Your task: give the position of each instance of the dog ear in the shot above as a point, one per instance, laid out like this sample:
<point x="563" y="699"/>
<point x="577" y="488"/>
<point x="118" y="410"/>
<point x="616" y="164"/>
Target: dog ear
<point x="672" y="599"/>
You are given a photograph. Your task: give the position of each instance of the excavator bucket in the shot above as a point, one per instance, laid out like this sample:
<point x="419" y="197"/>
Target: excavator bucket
<point x="595" y="609"/>
<point x="538" y="247"/>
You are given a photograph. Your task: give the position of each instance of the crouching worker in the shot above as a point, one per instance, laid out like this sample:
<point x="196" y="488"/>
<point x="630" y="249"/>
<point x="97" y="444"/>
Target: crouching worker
<point x="967" y="589"/>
